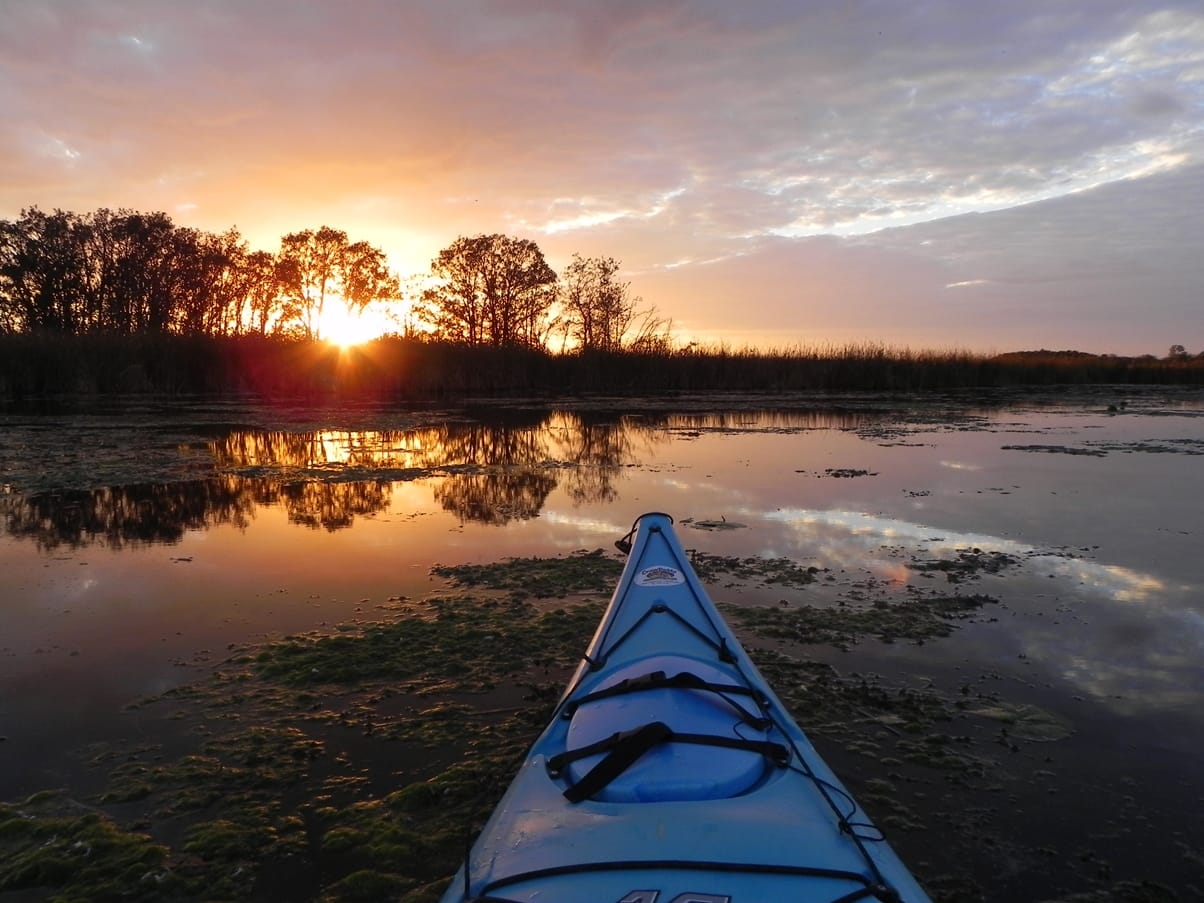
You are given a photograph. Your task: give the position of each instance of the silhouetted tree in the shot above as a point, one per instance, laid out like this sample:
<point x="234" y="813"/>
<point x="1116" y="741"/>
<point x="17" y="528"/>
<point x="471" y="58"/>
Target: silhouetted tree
<point x="43" y="284"/>
<point x="210" y="281"/>
<point x="496" y="290"/>
<point x="260" y="300"/>
<point x="142" y="295"/>
<point x="366" y="277"/>
<point x="307" y="272"/>
<point x="600" y="313"/>
<point x="133" y="515"/>
<point x="314" y="266"/>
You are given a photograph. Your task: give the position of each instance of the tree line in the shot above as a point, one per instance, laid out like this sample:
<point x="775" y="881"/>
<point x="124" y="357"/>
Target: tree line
<point x="129" y="273"/>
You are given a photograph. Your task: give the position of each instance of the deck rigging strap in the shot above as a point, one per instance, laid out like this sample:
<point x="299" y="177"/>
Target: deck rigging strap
<point x="866" y="890"/>
<point x="624" y="748"/>
<point x="685" y="680"/>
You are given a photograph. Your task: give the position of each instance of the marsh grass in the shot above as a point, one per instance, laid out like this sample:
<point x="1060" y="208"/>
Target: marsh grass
<point x="35" y="366"/>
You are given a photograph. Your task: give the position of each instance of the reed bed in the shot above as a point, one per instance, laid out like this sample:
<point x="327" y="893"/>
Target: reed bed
<point x="394" y="368"/>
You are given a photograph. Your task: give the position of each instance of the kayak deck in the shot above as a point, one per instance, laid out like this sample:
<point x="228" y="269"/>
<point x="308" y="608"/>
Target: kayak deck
<point x="671" y="773"/>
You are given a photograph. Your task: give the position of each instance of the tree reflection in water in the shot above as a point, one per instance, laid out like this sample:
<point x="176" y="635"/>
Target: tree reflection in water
<point x="496" y="498"/>
<point x="489" y="473"/>
<point x="119" y="516"/>
<point x="332" y="506"/>
<point x="492" y="473"/>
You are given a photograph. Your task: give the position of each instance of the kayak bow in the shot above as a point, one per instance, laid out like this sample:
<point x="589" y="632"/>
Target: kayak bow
<point x="671" y="773"/>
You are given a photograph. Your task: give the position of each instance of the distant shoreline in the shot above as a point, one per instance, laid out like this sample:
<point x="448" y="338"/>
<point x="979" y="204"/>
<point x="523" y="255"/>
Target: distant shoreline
<point x="406" y="369"/>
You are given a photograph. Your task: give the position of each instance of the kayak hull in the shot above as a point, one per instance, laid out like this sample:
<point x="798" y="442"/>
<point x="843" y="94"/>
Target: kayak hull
<point x="671" y="773"/>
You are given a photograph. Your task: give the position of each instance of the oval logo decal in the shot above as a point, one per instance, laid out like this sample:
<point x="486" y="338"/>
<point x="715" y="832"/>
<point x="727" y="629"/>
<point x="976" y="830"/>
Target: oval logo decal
<point x="659" y="576"/>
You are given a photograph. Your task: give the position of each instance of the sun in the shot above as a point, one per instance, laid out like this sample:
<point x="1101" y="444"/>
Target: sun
<point x="344" y="327"/>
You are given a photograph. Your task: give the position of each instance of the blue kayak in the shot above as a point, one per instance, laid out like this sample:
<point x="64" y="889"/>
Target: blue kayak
<point x="671" y="773"/>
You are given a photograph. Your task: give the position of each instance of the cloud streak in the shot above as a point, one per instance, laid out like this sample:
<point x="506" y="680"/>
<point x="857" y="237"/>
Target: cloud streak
<point x="767" y="148"/>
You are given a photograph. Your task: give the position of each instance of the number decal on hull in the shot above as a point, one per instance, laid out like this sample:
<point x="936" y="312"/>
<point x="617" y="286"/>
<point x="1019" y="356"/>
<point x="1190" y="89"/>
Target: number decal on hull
<point x="650" y="896"/>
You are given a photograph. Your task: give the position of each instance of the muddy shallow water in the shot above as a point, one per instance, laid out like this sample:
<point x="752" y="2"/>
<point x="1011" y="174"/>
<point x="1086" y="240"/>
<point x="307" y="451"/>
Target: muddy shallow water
<point x="141" y="545"/>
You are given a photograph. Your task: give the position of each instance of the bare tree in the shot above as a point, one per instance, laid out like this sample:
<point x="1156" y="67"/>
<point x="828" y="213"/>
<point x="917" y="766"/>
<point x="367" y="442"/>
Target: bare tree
<point x="600" y="312"/>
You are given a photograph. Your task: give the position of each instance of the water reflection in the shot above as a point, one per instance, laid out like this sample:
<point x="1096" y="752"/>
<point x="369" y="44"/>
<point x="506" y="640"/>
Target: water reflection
<point x="491" y="473"/>
<point x="122" y="516"/>
<point x="333" y="506"/>
<point x="496" y="498"/>
<point x="125" y="515"/>
<point x="853" y="538"/>
<point x="1136" y="646"/>
<point x="539" y="440"/>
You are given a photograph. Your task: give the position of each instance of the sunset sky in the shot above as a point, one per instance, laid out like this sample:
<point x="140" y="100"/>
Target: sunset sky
<point x="956" y="174"/>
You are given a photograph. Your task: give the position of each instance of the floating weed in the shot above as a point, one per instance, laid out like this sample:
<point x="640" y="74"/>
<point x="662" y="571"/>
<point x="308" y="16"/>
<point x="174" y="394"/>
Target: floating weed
<point x="543" y="578"/>
<point x="766" y="571"/>
<point x="1025" y="721"/>
<point x="450" y="643"/>
<point x="368" y="885"/>
<point x="714" y="525"/>
<point x="969" y="563"/>
<point x="230" y="840"/>
<point x="916" y="619"/>
<point x="254" y="759"/>
<point x="54" y="844"/>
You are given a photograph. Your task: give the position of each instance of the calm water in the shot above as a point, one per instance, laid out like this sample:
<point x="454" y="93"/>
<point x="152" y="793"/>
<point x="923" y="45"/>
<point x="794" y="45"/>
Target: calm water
<point x="137" y="544"/>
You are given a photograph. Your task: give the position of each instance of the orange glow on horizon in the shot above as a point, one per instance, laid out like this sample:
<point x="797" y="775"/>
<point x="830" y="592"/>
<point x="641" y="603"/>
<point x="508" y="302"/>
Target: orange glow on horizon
<point x="342" y="326"/>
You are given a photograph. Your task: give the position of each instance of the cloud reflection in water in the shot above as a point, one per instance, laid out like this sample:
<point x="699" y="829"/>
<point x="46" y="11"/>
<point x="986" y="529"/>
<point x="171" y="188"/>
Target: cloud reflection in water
<point x="1121" y="636"/>
<point x="853" y="539"/>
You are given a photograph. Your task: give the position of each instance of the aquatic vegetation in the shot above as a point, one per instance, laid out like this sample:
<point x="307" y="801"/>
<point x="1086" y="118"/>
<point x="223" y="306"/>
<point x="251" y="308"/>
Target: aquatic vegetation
<point x="915" y="619"/>
<point x="412" y="368"/>
<point x="764" y="571"/>
<point x="355" y="764"/>
<point x="969" y="563"/>
<point x="50" y="842"/>
<point x="475" y="642"/>
<point x="543" y="578"/>
<point x="1026" y="721"/>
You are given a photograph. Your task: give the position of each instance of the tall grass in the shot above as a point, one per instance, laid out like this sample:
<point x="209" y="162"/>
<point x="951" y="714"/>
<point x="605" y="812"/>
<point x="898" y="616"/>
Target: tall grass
<point x="34" y="366"/>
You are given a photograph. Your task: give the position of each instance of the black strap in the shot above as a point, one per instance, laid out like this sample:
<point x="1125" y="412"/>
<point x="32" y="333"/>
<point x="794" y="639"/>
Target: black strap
<point x="625" y="747"/>
<point x="685" y="680"/>
<point x="867" y="889"/>
<point x="624" y="750"/>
